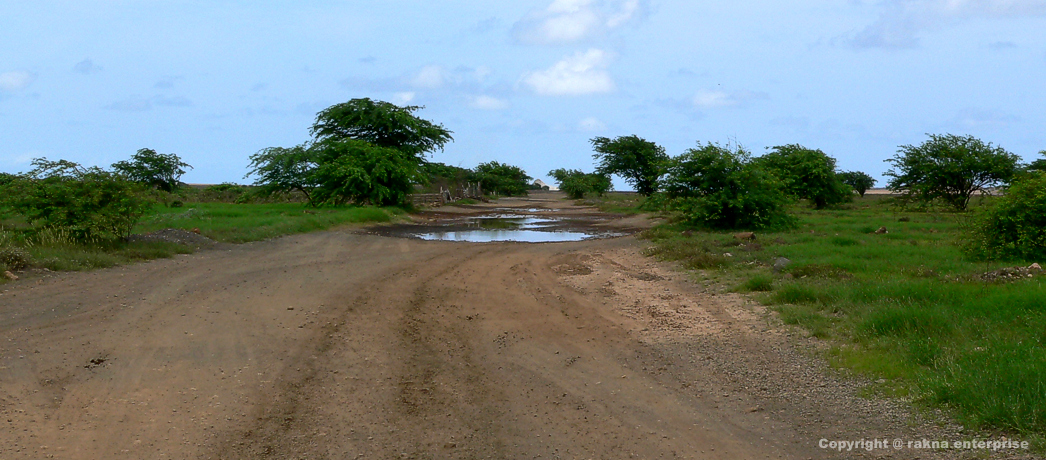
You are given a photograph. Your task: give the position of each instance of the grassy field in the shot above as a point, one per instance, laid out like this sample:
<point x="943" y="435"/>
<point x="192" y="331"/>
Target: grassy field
<point x="223" y="222"/>
<point x="906" y="307"/>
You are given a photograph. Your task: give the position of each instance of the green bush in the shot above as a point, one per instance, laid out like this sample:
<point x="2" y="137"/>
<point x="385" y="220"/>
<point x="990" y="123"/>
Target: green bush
<point x="714" y="186"/>
<point x="807" y="174"/>
<point x="577" y="184"/>
<point x="88" y="203"/>
<point x="1016" y="226"/>
<point x="502" y="179"/>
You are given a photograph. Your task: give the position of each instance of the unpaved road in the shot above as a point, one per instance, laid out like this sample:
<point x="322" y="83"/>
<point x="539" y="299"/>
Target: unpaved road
<point x="347" y="345"/>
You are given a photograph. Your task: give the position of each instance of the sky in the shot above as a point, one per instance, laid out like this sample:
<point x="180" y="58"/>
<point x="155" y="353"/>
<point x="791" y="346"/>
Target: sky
<point x="525" y="82"/>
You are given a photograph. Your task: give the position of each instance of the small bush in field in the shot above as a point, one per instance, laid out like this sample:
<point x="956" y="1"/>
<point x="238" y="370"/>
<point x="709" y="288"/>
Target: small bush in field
<point x="1016" y="226"/>
<point x="14" y="258"/>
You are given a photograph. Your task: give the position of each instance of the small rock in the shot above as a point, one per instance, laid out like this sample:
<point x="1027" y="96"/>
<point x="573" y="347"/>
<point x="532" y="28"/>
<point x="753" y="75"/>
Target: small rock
<point x="1035" y="267"/>
<point x="10" y="276"/>
<point x="196" y="231"/>
<point x="781" y="263"/>
<point x="727" y="254"/>
<point x="881" y="231"/>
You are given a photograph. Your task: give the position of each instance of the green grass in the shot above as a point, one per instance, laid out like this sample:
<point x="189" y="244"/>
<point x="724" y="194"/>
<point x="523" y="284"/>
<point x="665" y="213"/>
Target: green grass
<point x="240" y="223"/>
<point x="906" y="306"/>
<point x="225" y="222"/>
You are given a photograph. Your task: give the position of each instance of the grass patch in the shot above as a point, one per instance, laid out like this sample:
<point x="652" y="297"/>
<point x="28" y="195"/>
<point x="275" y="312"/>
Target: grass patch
<point x="616" y="202"/>
<point x="241" y="223"/>
<point x="905" y="307"/>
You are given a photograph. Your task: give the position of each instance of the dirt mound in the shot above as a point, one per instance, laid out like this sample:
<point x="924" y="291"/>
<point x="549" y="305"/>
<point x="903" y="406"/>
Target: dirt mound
<point x="174" y="235"/>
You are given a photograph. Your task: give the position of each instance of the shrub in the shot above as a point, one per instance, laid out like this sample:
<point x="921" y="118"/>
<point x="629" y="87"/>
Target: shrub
<point x="860" y="181"/>
<point x="577" y="184"/>
<point x="717" y="187"/>
<point x="160" y="170"/>
<point x="14" y="258"/>
<point x="502" y="179"/>
<point x="638" y="160"/>
<point x="807" y="174"/>
<point x="1016" y="226"/>
<point x="88" y="203"/>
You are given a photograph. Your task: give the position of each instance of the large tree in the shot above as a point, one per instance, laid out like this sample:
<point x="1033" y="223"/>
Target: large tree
<point x="950" y="168"/>
<point x="159" y="170"/>
<point x="362" y="151"/>
<point x="383" y="124"/>
<point x="807" y="174"/>
<point x="640" y="162"/>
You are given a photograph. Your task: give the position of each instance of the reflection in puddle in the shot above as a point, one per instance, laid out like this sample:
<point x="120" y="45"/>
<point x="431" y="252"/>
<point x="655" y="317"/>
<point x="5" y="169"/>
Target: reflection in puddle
<point x="501" y="227"/>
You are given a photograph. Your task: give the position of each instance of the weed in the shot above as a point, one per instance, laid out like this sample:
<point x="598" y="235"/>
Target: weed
<point x="758" y="283"/>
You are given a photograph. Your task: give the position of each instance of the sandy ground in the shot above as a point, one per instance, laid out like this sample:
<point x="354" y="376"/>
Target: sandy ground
<point x="345" y="344"/>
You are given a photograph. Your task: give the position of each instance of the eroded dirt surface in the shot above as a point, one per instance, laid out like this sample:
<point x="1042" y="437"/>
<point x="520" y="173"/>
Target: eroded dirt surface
<point x="348" y="345"/>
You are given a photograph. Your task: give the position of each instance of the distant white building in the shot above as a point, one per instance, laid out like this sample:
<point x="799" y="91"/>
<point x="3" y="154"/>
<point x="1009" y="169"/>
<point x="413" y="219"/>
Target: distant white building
<point x="540" y="183"/>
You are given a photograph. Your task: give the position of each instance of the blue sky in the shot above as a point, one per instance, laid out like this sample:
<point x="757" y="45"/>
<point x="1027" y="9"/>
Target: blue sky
<point x="523" y="82"/>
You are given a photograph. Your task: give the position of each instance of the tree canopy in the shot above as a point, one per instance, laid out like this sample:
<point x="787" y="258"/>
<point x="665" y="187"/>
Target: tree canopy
<point x="860" y="181"/>
<point x="640" y="162"/>
<point x="807" y="174"/>
<point x="719" y="187"/>
<point x="381" y="123"/>
<point x="950" y="168"/>
<point x="502" y="178"/>
<point x="159" y="170"/>
<point x="576" y="184"/>
<point x="362" y="151"/>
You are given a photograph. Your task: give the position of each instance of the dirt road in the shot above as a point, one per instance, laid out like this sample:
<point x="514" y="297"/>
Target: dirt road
<point x="349" y="345"/>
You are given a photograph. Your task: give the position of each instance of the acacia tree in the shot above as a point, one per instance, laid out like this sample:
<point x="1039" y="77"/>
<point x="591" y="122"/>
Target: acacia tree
<point x="362" y="151"/>
<point x="807" y="174"/>
<point x="383" y="124"/>
<point x="159" y="170"/>
<point x="860" y="181"/>
<point x="281" y="169"/>
<point x="1040" y="164"/>
<point x="640" y="162"/>
<point x="951" y="168"/>
<point x="501" y="178"/>
<point x="577" y="184"/>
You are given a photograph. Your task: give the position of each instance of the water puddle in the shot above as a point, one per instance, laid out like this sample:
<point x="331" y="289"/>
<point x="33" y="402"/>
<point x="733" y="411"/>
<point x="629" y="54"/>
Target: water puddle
<point x="504" y="227"/>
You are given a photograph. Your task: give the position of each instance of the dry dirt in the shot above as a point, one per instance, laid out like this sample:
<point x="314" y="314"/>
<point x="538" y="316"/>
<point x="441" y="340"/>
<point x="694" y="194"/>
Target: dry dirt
<point x="344" y="344"/>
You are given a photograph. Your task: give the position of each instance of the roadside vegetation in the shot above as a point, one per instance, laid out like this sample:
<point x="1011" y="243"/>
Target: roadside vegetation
<point x="935" y="291"/>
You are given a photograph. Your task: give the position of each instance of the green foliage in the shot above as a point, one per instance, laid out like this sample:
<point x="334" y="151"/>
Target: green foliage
<point x="382" y="124"/>
<point x="363" y="151"/>
<point x="807" y="174"/>
<point x="6" y="178"/>
<point x="716" y="187"/>
<point x="639" y="161"/>
<point x="1037" y="165"/>
<point x="860" y="181"/>
<point x="87" y="202"/>
<point x="577" y="184"/>
<point x="361" y="172"/>
<point x="502" y="179"/>
<point x="950" y="168"/>
<point x="279" y="170"/>
<point x="159" y="170"/>
<point x="1016" y="226"/>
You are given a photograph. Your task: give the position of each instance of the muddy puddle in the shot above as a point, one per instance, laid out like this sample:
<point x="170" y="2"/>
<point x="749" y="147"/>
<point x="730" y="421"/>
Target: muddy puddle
<point x="501" y="226"/>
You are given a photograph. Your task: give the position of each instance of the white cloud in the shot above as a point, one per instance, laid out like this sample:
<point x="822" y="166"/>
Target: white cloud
<point x="430" y="77"/>
<point x="488" y="103"/>
<point x="714" y="99"/>
<point x="582" y="73"/>
<point x="901" y="21"/>
<point x="403" y="98"/>
<point x="591" y="124"/>
<point x="571" y="21"/>
<point x="16" y="80"/>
